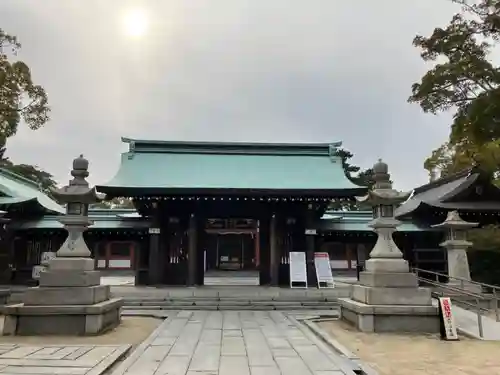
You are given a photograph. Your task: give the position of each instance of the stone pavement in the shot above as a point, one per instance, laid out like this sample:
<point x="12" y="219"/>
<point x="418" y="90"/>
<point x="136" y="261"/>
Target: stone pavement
<point x="233" y="343"/>
<point x="55" y="360"/>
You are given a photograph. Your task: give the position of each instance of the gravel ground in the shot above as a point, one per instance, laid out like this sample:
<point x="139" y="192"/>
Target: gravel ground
<point x="412" y="354"/>
<point x="132" y="330"/>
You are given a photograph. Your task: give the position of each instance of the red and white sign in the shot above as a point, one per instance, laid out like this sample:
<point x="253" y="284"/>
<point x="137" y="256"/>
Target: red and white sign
<point x="323" y="270"/>
<point x="450" y="329"/>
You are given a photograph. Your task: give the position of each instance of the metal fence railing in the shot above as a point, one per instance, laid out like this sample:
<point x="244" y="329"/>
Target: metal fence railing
<point x="481" y="298"/>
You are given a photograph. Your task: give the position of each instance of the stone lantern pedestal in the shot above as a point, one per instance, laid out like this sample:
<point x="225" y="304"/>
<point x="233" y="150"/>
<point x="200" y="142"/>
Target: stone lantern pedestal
<point x="69" y="299"/>
<point x="387" y="297"/>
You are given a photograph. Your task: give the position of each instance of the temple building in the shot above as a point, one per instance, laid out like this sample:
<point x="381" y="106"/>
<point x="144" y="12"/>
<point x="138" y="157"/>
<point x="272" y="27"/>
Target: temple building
<point x="204" y="206"/>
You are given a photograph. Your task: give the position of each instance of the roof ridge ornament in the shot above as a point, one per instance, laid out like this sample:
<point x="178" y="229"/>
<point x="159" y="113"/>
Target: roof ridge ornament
<point x="131" y="150"/>
<point x="333" y="148"/>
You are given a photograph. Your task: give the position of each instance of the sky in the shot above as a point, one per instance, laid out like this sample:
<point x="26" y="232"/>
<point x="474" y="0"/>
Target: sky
<point x="227" y="70"/>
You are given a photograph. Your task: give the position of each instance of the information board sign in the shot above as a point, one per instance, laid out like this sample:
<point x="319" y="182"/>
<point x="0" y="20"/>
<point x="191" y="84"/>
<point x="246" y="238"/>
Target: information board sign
<point x="298" y="271"/>
<point x="448" y="327"/>
<point x="323" y="270"/>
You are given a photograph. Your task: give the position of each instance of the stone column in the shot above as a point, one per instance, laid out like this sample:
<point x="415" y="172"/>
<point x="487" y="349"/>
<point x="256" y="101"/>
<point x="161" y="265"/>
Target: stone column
<point x="192" y="250"/>
<point x="456" y="246"/>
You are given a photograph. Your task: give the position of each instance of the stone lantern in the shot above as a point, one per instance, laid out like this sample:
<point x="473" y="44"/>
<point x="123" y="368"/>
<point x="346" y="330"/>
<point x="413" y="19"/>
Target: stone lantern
<point x="456" y="246"/>
<point x="384" y="200"/>
<point x="69" y="299"/>
<point x="77" y="196"/>
<point x="388" y="298"/>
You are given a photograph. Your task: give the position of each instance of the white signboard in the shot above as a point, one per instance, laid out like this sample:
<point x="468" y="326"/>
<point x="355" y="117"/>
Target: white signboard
<point x="311" y="232"/>
<point x="298" y="272"/>
<point x="448" y="327"/>
<point x="46" y="257"/>
<point x="323" y="270"/>
<point x="35" y="272"/>
<point x="154" y="230"/>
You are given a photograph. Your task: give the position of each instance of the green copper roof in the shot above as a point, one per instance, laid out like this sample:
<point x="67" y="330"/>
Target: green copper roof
<point x="102" y="218"/>
<point x="357" y="221"/>
<point x="238" y="166"/>
<point x="17" y="189"/>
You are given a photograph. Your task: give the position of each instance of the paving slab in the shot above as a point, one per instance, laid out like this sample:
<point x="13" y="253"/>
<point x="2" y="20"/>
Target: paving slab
<point x="232" y="342"/>
<point x="59" y="359"/>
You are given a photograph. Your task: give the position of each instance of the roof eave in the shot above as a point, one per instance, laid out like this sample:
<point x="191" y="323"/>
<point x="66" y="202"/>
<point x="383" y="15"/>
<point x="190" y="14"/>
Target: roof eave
<point x="137" y="191"/>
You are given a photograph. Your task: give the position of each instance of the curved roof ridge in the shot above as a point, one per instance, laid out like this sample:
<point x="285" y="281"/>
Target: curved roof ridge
<point x="19" y="178"/>
<point x="443" y="180"/>
<point x="291" y="148"/>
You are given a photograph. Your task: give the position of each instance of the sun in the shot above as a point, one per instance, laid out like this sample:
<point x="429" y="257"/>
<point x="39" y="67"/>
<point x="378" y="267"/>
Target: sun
<point x="135" y="23"/>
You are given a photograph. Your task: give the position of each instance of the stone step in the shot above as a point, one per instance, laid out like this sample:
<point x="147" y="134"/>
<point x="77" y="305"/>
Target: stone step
<point x="235" y="303"/>
<point x="235" y="299"/>
<point x="235" y="307"/>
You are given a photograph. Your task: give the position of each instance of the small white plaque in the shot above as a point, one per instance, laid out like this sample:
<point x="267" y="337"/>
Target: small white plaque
<point x="311" y="232"/>
<point x="119" y="263"/>
<point x="35" y="272"/>
<point x="154" y="230"/>
<point x="46" y="257"/>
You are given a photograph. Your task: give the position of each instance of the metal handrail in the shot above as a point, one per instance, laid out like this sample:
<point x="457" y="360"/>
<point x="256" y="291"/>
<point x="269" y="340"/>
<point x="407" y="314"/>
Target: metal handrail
<point x="477" y="297"/>
<point x="459" y="279"/>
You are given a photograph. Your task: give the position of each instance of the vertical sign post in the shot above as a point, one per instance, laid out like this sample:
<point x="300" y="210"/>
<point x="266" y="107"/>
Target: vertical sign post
<point x="448" y="327"/>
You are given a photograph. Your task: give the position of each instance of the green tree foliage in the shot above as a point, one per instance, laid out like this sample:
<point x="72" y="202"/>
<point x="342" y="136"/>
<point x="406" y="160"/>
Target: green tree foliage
<point x="466" y="82"/>
<point x="356" y="175"/>
<point x="115" y="203"/>
<point x="20" y="98"/>
<point x="463" y="80"/>
<point x="44" y="179"/>
<point x="353" y="172"/>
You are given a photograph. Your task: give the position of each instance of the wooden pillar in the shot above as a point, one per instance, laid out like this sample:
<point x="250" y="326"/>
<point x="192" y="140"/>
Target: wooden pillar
<point x="264" y="269"/>
<point x="192" y="253"/>
<point x="6" y="255"/>
<point x="155" y="264"/>
<point x="257" y="247"/>
<point x="274" y="256"/>
<point x="310" y="247"/>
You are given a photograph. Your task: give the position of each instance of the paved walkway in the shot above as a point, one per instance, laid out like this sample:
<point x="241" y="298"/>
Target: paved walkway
<point x="55" y="360"/>
<point x="232" y="343"/>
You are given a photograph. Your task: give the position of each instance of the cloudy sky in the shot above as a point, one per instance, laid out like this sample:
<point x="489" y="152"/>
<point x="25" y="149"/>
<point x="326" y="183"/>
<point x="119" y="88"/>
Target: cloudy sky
<point x="226" y="70"/>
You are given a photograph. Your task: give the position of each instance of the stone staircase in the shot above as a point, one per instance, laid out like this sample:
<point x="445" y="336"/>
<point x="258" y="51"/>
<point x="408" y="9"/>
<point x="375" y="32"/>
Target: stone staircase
<point x="224" y="298"/>
<point x="242" y="298"/>
<point x="230" y="304"/>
